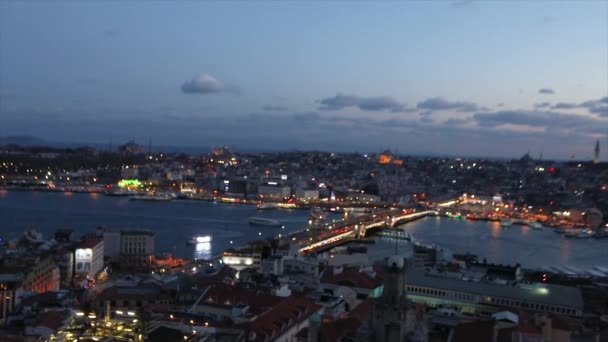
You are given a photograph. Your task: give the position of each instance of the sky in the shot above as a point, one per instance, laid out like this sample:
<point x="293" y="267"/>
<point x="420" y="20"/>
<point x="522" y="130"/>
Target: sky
<point x="467" y="78"/>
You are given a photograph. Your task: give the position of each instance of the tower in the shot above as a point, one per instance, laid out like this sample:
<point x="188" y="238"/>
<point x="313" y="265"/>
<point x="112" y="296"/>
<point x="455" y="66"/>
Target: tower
<point x="596" y="155"/>
<point x="390" y="309"/>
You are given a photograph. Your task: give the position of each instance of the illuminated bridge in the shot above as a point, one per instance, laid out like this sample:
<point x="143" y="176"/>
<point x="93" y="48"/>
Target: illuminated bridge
<point x="343" y="231"/>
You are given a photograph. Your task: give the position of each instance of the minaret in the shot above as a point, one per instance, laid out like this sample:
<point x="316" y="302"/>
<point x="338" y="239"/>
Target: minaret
<point x="390" y="310"/>
<point x="596" y="155"/>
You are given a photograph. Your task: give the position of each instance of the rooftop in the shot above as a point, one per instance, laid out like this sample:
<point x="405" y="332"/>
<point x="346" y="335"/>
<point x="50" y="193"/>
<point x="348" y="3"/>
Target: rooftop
<point x="90" y="242"/>
<point x="537" y="293"/>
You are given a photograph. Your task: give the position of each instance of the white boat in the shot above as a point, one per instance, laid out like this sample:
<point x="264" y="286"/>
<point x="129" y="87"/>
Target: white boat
<point x="535" y="225"/>
<point x="154" y="197"/>
<point x="199" y="239"/>
<point x="122" y="192"/>
<point x="267" y="205"/>
<point x="260" y="221"/>
<point x="505" y="223"/>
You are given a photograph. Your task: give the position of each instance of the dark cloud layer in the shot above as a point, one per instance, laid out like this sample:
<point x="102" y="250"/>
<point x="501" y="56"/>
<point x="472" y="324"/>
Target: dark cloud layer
<point x="438" y="103"/>
<point x="533" y="118"/>
<point x="598" y="107"/>
<point x="275" y="108"/>
<point x="376" y="103"/>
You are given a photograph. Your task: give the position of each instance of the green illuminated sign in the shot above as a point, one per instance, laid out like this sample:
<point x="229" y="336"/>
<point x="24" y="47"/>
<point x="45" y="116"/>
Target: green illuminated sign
<point x="130" y="183"/>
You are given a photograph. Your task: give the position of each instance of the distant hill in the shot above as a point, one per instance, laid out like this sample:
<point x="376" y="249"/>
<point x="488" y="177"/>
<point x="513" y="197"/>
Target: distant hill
<point x="22" y="140"/>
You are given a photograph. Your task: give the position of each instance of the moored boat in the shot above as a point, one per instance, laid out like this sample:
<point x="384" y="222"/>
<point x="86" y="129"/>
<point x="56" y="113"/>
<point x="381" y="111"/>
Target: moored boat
<point x="535" y="225"/>
<point x="260" y="221"/>
<point x="267" y="206"/>
<point x="505" y="223"/>
<point x="154" y="197"/>
<point x="199" y="239"/>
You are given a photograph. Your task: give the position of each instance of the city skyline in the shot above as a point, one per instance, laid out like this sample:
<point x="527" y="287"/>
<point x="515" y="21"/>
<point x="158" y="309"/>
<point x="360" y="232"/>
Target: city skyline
<point x="455" y="78"/>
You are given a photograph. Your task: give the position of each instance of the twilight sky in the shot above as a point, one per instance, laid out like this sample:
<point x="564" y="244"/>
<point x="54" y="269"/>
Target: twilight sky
<point x="462" y="78"/>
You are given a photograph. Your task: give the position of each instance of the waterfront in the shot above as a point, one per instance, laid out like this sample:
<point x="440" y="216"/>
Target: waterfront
<point x="177" y="221"/>
<point x="516" y="244"/>
<point x="174" y="222"/>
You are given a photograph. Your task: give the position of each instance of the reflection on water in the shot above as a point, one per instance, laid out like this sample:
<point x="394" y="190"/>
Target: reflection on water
<point x="202" y="251"/>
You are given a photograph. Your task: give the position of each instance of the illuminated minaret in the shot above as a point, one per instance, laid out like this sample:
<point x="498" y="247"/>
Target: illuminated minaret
<point x="596" y="155"/>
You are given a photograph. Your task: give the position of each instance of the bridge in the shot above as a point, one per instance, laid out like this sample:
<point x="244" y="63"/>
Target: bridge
<point x="343" y="231"/>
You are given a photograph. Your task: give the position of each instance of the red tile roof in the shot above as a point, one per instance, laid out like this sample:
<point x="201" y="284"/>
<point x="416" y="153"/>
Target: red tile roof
<point x="349" y="326"/>
<point x="351" y="277"/>
<point x="282" y="316"/>
<point x="227" y="295"/>
<point x="90" y="242"/>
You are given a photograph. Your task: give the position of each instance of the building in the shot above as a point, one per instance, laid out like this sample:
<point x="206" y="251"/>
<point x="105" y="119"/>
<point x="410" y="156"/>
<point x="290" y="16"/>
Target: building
<point x="131" y="148"/>
<point x="88" y="257"/>
<point x="234" y="187"/>
<point x="111" y="245"/>
<point x="136" y="248"/>
<point x="273" y="190"/>
<point x="596" y="153"/>
<point x="352" y="283"/>
<point x="301" y="265"/>
<point x="390" y="310"/>
<point x="242" y="258"/>
<point x="307" y="195"/>
<point x="486" y="298"/>
<point x="130" y="248"/>
<point x="41" y="274"/>
<point x="10" y="291"/>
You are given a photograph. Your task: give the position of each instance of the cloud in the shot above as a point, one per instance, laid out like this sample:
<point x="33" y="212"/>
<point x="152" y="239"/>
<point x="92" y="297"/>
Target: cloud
<point x="546" y="91"/>
<point x="306" y="116"/>
<point x="462" y="3"/>
<point x="438" y="103"/>
<point x="565" y="105"/>
<point x="542" y="105"/>
<point x="275" y="108"/>
<point x="207" y="84"/>
<point x="598" y="107"/>
<point x="374" y="103"/>
<point x="533" y="118"/>
<point x="457" y="121"/>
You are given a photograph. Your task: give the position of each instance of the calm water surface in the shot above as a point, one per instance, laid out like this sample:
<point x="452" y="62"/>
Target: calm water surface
<point x="177" y="221"/>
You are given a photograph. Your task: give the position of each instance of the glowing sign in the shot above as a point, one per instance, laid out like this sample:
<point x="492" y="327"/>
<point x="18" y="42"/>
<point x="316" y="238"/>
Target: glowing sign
<point x="130" y="183"/>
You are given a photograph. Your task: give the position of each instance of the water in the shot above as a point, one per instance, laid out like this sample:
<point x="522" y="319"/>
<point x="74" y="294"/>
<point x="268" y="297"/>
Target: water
<point x="516" y="244"/>
<point x="177" y="221"/>
<point x="174" y="222"/>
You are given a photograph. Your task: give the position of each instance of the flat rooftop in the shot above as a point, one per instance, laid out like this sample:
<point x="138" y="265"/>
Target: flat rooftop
<point x="533" y="293"/>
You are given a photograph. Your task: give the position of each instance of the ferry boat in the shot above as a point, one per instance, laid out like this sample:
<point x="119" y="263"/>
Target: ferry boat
<point x="267" y="205"/>
<point x="506" y="223"/>
<point x="153" y="197"/>
<point x="535" y="225"/>
<point x="199" y="239"/>
<point x="316" y="214"/>
<point x="396" y="234"/>
<point x="121" y="192"/>
<point x="580" y="234"/>
<point x="260" y="221"/>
